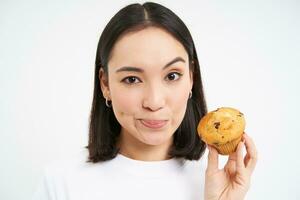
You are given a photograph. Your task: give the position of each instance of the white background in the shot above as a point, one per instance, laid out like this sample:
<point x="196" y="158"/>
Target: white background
<point x="249" y="55"/>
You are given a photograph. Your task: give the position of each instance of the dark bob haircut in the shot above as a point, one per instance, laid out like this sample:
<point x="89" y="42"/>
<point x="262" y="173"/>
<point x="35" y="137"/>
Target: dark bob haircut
<point x="104" y="129"/>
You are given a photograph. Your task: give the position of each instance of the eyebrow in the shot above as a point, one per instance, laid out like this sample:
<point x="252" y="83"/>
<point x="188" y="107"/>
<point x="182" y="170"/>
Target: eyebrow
<point x="135" y="69"/>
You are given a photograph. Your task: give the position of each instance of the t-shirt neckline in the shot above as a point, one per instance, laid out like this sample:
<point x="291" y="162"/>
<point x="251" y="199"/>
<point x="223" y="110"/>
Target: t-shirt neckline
<point x="149" y="168"/>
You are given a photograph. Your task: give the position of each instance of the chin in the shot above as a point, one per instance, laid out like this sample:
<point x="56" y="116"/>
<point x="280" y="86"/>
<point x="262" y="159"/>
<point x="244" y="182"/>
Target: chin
<point x="155" y="139"/>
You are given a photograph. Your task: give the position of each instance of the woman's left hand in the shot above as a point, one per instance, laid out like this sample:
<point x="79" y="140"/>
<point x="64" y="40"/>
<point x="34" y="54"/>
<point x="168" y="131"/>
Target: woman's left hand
<point x="233" y="181"/>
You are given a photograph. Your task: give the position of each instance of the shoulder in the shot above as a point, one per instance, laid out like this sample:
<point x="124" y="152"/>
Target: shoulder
<point x="59" y="173"/>
<point x="68" y="165"/>
<point x="76" y="166"/>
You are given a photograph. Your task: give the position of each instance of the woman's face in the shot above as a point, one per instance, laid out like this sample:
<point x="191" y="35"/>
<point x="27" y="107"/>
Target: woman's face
<point x="149" y="79"/>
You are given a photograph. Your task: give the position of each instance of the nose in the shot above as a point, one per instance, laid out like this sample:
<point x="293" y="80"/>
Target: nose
<point x="154" y="98"/>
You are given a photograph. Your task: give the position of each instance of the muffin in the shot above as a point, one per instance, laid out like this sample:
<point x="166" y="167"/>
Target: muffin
<point x="222" y="128"/>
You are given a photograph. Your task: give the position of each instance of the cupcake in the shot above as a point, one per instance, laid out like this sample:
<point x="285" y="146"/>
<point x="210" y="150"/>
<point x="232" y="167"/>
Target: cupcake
<point x="222" y="128"/>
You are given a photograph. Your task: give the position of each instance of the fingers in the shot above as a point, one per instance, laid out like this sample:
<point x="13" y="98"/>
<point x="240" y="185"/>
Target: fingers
<point x="251" y="156"/>
<point x="213" y="160"/>
<point x="240" y="159"/>
<point x="236" y="161"/>
<point x="232" y="158"/>
<point x="230" y="166"/>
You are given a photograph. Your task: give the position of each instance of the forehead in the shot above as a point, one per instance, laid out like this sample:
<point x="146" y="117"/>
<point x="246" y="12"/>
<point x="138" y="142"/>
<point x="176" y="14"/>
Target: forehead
<point x="150" y="46"/>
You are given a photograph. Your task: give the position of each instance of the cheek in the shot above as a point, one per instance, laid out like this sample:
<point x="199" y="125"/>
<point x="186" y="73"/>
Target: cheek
<point x="124" y="103"/>
<point x="180" y="98"/>
<point x="178" y="104"/>
<point x="124" y="107"/>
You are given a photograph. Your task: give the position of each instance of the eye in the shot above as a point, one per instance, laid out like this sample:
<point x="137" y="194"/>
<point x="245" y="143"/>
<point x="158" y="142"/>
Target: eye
<point x="172" y="76"/>
<point x="130" y="79"/>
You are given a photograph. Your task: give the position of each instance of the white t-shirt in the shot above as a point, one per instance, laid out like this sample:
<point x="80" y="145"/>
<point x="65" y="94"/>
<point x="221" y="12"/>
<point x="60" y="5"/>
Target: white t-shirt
<point x="122" y="178"/>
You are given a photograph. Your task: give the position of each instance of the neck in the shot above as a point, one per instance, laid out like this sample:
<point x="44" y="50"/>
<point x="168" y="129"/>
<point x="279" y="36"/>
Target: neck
<point x="137" y="150"/>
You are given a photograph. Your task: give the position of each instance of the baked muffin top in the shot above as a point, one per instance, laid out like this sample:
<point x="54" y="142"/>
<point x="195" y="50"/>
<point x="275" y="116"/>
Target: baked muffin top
<point x="221" y="126"/>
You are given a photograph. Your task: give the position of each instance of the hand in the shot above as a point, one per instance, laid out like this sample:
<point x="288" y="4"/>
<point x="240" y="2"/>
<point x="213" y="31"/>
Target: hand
<point x="233" y="181"/>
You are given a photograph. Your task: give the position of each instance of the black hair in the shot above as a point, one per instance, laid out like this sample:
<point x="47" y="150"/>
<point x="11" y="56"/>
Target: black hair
<point x="104" y="129"/>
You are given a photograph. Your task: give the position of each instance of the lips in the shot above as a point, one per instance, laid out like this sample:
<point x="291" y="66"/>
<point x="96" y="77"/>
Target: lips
<point x="154" y="124"/>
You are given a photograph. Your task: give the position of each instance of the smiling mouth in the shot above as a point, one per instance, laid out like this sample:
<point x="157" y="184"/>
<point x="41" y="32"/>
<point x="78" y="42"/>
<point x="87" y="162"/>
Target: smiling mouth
<point x="153" y="124"/>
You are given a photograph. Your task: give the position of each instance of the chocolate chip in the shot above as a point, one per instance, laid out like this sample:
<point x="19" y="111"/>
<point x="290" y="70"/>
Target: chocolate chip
<point x="217" y="124"/>
<point x="216" y="110"/>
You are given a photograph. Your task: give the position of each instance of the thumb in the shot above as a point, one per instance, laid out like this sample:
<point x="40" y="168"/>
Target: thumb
<point x="213" y="160"/>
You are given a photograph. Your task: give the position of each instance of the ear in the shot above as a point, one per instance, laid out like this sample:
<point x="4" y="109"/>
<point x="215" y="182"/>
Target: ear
<point x="191" y="79"/>
<point x="192" y="75"/>
<point x="103" y="78"/>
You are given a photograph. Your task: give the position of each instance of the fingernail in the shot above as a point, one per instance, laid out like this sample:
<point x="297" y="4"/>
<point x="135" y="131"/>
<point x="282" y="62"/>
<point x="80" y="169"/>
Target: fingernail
<point x="243" y="138"/>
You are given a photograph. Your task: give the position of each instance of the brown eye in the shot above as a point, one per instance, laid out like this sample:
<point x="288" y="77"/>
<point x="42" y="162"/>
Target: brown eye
<point x="130" y="80"/>
<point x="172" y="76"/>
